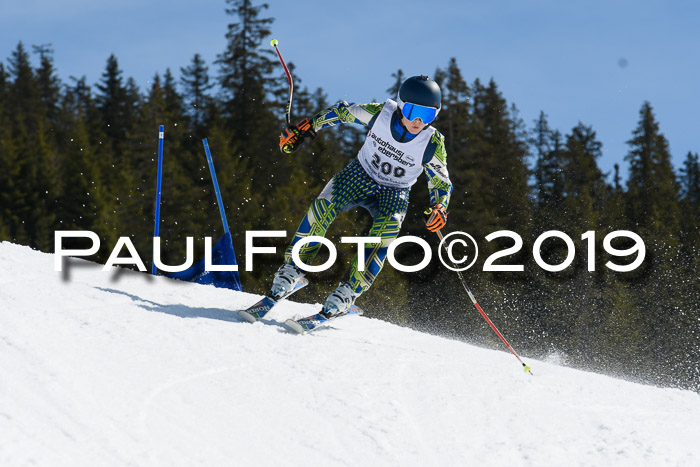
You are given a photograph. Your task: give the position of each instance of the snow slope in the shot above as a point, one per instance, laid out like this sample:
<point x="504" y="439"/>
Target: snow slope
<point x="120" y="368"/>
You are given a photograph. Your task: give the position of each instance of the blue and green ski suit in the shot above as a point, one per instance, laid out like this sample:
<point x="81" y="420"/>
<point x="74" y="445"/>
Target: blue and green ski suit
<point x="375" y="180"/>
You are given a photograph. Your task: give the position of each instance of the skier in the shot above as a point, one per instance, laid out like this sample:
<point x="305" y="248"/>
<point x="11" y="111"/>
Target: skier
<point x="399" y="146"/>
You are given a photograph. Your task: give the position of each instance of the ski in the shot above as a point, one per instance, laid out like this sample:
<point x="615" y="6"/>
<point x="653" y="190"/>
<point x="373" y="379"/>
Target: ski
<point x="261" y="308"/>
<point x="318" y="320"/>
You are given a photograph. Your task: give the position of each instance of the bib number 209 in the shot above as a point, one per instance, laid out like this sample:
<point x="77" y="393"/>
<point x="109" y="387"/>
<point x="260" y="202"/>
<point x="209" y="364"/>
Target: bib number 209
<point x="387" y="168"/>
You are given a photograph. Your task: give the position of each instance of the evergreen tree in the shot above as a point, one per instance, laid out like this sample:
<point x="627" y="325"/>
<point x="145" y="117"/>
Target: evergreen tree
<point x="8" y="159"/>
<point x="549" y="182"/>
<point x="612" y="215"/>
<point x="83" y="114"/>
<point x="141" y="152"/>
<point x="249" y="123"/>
<point x="498" y="181"/>
<point x="116" y="102"/>
<point x="587" y="206"/>
<point x="652" y="186"/>
<point x="174" y="101"/>
<point x="48" y="81"/>
<point x="83" y="103"/>
<point x="653" y="209"/>
<point x="686" y="285"/>
<point x="584" y="184"/>
<point x="245" y="70"/>
<point x="551" y="308"/>
<point x="81" y="204"/>
<point x="34" y="192"/>
<point x="454" y="122"/>
<point x="690" y="179"/>
<point x="440" y="76"/>
<point x="399" y="78"/>
<point x="3" y="83"/>
<point x="617" y="180"/>
<point x="50" y="87"/>
<point x="195" y="81"/>
<point x="690" y="206"/>
<point x="180" y="217"/>
<point x="455" y="113"/>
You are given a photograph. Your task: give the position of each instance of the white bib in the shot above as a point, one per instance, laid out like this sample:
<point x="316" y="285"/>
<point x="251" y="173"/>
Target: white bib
<point x="387" y="161"/>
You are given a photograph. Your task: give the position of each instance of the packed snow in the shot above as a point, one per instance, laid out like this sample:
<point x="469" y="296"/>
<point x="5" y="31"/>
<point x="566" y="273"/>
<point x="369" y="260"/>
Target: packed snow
<point x="122" y="368"/>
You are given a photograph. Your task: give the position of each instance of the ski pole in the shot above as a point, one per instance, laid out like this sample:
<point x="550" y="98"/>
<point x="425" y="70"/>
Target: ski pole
<point x="274" y="43"/>
<point x="159" y="186"/>
<point x="476" y="304"/>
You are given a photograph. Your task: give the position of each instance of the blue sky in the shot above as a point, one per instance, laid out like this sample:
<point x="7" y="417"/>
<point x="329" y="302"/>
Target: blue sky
<point x="593" y="62"/>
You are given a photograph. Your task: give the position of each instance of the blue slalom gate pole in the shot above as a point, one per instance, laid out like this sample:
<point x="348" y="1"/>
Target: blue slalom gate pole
<point x="161" y="135"/>
<point x="222" y="254"/>
<point x="216" y="185"/>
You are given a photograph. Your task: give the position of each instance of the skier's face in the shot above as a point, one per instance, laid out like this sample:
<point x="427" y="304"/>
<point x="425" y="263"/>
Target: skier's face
<point x="414" y="127"/>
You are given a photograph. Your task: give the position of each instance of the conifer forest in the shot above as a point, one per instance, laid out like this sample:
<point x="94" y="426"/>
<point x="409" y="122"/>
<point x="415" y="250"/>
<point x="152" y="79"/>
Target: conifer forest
<point x="83" y="156"/>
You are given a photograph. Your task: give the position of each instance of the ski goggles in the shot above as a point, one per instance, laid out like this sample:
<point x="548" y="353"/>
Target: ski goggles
<point x="414" y="111"/>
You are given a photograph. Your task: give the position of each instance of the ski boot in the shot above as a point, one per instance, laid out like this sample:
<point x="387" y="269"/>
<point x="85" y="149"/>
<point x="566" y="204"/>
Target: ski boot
<point x="287" y="279"/>
<point x="339" y="301"/>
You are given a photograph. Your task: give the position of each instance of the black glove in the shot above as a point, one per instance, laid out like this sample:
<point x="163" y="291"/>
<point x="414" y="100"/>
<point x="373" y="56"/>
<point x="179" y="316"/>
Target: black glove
<point x="292" y="137"/>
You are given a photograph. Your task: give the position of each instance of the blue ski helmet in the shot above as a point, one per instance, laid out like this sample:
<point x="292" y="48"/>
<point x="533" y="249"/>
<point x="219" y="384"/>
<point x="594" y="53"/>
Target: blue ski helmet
<point x="420" y="97"/>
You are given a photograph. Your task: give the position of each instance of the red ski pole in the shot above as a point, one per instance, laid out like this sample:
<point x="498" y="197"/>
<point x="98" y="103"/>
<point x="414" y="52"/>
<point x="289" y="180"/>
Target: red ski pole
<point x="274" y="43"/>
<point x="483" y="314"/>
